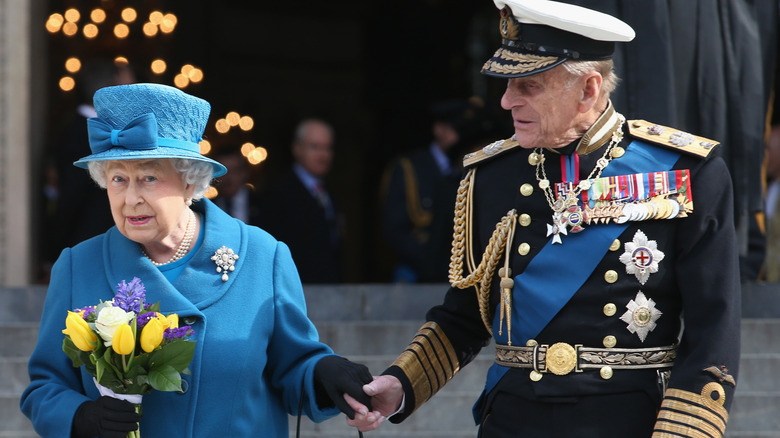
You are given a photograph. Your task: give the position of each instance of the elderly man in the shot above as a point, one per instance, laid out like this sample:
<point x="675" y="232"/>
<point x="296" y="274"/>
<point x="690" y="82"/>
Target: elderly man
<point x="582" y="245"/>
<point x="299" y="211"/>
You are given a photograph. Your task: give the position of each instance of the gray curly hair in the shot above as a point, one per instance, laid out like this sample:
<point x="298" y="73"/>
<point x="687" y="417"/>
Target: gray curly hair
<point x="195" y="172"/>
<point x="609" y="80"/>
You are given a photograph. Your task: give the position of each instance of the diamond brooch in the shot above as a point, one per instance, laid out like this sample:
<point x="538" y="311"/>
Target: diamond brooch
<point x="225" y="259"/>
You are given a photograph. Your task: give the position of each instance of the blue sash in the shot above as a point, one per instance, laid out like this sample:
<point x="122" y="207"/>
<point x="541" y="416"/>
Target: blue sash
<point x="558" y="271"/>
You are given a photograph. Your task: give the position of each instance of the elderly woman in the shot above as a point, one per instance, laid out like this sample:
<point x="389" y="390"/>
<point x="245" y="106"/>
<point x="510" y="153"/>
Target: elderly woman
<point x="257" y="354"/>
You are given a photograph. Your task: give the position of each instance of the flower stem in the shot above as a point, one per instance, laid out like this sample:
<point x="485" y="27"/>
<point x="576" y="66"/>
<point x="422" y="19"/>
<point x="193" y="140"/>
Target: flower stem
<point x="136" y="433"/>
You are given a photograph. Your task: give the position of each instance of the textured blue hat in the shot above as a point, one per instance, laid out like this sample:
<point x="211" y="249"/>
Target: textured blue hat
<point x="146" y="121"/>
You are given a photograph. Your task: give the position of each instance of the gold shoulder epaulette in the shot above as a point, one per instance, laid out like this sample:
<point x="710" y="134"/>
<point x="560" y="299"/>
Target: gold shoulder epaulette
<point x="488" y="151"/>
<point x="671" y="138"/>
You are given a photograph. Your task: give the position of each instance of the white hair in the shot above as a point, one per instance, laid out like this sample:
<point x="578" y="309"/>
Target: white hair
<point x="605" y="68"/>
<point x="195" y="172"/>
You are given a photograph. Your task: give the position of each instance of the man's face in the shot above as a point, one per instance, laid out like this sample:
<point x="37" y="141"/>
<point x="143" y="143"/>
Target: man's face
<point x="544" y="108"/>
<point x="315" y="151"/>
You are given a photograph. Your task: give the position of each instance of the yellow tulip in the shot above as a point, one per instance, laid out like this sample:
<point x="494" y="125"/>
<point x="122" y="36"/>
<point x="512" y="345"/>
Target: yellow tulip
<point x="82" y="336"/>
<point x="163" y="320"/>
<point x="152" y="335"/>
<point x="173" y="319"/>
<point x="123" y="341"/>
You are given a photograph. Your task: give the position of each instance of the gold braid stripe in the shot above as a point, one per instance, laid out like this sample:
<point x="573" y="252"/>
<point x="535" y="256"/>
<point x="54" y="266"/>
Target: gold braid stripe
<point x="419" y="217"/>
<point x="429" y="362"/>
<point x="690" y="414"/>
<point x="539" y="61"/>
<point x="522" y="63"/>
<point x="461" y="246"/>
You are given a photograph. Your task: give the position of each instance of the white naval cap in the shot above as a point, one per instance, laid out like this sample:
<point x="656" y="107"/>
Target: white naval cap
<point x="538" y="35"/>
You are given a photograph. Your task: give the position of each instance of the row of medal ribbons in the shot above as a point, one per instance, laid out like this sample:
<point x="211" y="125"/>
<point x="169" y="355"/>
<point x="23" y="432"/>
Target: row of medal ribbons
<point x="636" y="197"/>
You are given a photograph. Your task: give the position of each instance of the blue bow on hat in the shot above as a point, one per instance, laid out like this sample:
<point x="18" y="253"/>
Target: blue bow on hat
<point x="147" y="122"/>
<point x="139" y="134"/>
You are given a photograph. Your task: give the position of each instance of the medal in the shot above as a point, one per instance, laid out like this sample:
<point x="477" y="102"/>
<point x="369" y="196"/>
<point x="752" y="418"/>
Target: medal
<point x="568" y="214"/>
<point x="641" y="257"/>
<point x="641" y="315"/>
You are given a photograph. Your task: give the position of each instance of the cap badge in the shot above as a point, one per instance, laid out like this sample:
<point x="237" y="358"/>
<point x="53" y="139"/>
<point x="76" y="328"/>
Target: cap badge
<point x="508" y="25"/>
<point x="641" y="315"/>
<point x="225" y="259"/>
<point x="641" y="257"/>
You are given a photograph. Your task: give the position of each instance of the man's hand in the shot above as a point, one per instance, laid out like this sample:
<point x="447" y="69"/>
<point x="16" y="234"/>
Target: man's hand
<point x="386" y="396"/>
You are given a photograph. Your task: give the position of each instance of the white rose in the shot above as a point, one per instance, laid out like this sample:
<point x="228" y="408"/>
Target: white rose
<point x="108" y="320"/>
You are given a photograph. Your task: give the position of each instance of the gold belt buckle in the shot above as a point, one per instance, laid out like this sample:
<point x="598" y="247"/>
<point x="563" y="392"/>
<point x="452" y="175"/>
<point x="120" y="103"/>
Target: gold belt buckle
<point x="560" y="358"/>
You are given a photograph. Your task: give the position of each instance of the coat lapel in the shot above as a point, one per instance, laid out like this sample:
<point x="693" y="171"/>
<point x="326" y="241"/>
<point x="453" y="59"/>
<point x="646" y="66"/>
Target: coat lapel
<point x="199" y="285"/>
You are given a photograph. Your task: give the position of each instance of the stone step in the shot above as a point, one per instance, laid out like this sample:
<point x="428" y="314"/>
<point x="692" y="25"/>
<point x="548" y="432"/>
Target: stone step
<point x="18" y="338"/>
<point x="754" y="412"/>
<point x="760" y="335"/>
<point x="13" y="375"/>
<point x="11" y="418"/>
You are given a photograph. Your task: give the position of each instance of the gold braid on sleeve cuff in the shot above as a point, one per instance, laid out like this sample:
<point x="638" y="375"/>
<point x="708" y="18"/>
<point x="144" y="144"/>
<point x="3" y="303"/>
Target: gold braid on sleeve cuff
<point x="687" y="414"/>
<point x="429" y="362"/>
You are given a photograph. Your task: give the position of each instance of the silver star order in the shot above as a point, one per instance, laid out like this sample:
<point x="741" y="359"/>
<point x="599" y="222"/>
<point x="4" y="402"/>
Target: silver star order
<point x="641" y="257"/>
<point x="641" y="315"/>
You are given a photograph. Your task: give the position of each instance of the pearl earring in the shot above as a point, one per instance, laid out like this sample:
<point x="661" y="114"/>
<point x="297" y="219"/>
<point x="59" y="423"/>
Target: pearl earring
<point x="188" y="201"/>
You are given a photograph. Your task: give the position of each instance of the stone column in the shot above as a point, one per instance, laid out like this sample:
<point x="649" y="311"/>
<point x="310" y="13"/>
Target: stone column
<point x="15" y="168"/>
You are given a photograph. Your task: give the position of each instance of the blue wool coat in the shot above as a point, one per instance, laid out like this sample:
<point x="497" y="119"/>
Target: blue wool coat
<point x="255" y="346"/>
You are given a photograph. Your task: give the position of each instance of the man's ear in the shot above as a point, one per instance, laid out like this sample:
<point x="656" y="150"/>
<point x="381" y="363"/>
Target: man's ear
<point x="591" y="90"/>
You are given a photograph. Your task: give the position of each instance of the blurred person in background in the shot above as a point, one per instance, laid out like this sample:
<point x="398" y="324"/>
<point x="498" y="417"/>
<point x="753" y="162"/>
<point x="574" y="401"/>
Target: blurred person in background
<point x="418" y="194"/>
<point x="298" y="210"/>
<point x="235" y="193"/>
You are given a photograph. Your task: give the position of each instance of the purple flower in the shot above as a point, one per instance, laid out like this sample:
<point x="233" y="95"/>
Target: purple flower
<point x="177" y="333"/>
<point x="143" y="319"/>
<point x="88" y="310"/>
<point x="130" y="297"/>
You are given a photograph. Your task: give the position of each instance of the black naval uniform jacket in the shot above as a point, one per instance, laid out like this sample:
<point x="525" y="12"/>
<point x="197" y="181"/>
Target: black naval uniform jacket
<point x="696" y="286"/>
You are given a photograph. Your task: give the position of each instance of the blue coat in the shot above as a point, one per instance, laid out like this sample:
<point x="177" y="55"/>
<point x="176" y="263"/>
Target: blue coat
<point x="255" y="345"/>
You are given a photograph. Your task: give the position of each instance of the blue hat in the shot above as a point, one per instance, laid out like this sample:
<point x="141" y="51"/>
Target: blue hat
<point x="146" y="121"/>
<point x="537" y="35"/>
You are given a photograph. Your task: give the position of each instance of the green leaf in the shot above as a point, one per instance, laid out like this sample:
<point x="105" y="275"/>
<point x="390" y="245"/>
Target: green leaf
<point x="176" y="354"/>
<point x="153" y="308"/>
<point x="100" y="368"/>
<point x="165" y="378"/>
<point x="72" y="352"/>
<point x="139" y="366"/>
<point x="106" y="375"/>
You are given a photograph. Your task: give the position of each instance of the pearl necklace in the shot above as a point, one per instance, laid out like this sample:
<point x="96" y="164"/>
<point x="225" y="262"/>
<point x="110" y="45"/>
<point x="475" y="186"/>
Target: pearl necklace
<point x="184" y="246"/>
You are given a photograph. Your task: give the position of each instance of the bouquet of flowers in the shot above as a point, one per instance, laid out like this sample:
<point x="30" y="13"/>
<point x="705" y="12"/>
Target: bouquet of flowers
<point x="128" y="346"/>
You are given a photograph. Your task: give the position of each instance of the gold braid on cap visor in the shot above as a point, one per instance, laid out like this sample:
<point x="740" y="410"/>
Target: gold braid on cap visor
<point x="429" y="362"/>
<point x="520" y="62"/>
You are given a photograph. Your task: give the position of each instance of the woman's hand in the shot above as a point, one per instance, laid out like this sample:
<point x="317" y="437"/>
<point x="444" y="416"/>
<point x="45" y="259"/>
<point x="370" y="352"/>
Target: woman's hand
<point x="106" y="417"/>
<point x="337" y="376"/>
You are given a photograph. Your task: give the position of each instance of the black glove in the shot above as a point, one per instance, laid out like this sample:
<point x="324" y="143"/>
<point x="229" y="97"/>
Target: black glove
<point x="335" y="375"/>
<point x="106" y="417"/>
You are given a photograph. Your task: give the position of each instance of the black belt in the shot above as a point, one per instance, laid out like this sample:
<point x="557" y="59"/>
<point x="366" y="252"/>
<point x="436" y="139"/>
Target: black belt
<point x="562" y="358"/>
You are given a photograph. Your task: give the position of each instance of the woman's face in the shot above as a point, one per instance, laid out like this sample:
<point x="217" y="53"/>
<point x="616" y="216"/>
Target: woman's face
<point x="148" y="199"/>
